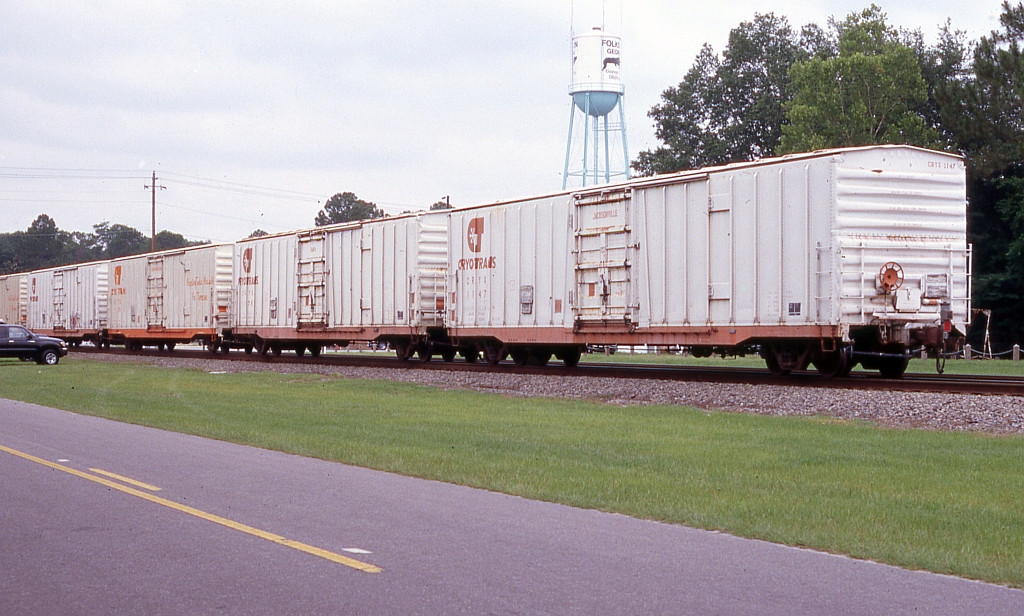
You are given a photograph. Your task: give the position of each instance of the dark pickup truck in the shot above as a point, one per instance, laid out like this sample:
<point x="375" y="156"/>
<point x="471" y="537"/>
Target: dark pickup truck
<point x="16" y="341"/>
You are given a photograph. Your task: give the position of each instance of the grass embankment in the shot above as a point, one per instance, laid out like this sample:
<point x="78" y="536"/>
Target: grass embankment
<point x="944" y="502"/>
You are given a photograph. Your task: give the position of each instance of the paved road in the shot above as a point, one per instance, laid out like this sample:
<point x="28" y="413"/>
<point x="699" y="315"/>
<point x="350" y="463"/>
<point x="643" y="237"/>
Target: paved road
<point x="212" y="527"/>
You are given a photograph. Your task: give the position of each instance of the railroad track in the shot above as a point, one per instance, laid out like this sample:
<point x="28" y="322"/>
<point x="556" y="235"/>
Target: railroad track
<point x="911" y="382"/>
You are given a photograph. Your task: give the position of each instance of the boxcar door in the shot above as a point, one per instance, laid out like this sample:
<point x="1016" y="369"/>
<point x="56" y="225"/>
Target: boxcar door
<point x="603" y="253"/>
<point x="59" y="300"/>
<point x="155" y="291"/>
<point x="312" y="278"/>
<point x="431" y="269"/>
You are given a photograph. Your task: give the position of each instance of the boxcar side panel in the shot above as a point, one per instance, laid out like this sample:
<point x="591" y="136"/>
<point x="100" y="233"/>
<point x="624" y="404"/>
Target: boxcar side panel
<point x="266" y="282"/>
<point x="128" y="294"/>
<point x="509" y="268"/>
<point x="193" y="296"/>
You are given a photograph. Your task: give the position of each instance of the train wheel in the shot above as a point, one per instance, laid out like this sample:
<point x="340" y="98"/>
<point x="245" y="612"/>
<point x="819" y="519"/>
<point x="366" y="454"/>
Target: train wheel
<point x="494" y="352"/>
<point x="300" y="350"/>
<point x="170" y="346"/>
<point x="470" y="354"/>
<point x="540" y="356"/>
<point x="424" y="352"/>
<point x="520" y="356"/>
<point x="893" y="367"/>
<point x="835" y="363"/>
<point x="773" y="365"/>
<point x="248" y="349"/>
<point x="315" y="350"/>
<point x="402" y="351"/>
<point x="448" y="354"/>
<point x="784" y="357"/>
<point x="276" y="350"/>
<point x="571" y="357"/>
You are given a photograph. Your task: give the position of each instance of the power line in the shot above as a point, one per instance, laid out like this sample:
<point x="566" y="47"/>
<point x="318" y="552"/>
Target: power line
<point x="75" y="201"/>
<point x="224" y="216"/>
<point x="41" y="173"/>
<point x="237" y="187"/>
<point x="36" y="174"/>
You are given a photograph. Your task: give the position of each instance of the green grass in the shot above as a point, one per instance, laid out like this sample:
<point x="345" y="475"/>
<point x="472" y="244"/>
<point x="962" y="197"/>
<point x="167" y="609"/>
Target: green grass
<point x="944" y="502"/>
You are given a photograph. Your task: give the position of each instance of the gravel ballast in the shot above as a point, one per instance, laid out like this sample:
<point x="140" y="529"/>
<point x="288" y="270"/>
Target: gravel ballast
<point x="931" y="411"/>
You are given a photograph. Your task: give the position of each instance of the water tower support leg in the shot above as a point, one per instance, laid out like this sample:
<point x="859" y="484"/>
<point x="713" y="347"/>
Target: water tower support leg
<point x="607" y="154"/>
<point x="586" y="136"/>
<point x="622" y="125"/>
<point x="568" y="146"/>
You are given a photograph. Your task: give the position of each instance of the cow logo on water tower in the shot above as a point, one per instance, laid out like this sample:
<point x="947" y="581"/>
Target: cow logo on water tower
<point x="475" y="234"/>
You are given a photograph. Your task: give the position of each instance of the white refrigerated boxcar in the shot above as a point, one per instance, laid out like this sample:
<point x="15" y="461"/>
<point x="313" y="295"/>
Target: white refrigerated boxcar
<point x="828" y="258"/>
<point x="69" y="302"/>
<point x="378" y="280"/>
<point x="166" y="298"/>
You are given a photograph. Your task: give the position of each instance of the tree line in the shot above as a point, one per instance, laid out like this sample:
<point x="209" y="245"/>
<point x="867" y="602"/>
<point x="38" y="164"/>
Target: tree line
<point x="45" y="245"/>
<point x="858" y="81"/>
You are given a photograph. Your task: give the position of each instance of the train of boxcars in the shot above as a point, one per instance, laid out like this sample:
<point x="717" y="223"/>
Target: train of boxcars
<point x="826" y="259"/>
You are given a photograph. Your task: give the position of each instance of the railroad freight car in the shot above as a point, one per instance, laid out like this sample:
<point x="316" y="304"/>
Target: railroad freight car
<point x="166" y="298"/>
<point x="827" y="259"/>
<point x="69" y="302"/>
<point x="376" y="281"/>
<point x="14" y="299"/>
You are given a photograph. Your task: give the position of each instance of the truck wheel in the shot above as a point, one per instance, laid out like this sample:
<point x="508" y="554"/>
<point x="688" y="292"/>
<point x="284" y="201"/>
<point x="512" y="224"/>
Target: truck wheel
<point x="48" y="357"/>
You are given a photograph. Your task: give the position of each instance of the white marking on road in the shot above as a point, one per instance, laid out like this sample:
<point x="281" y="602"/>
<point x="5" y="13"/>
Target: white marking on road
<point x="128" y="480"/>
<point x="356" y="551"/>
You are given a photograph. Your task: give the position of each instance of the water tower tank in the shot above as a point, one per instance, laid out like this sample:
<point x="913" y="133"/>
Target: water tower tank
<point x="596" y="85"/>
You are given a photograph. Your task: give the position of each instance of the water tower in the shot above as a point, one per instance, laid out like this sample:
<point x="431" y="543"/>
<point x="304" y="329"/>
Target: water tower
<point x="596" y="89"/>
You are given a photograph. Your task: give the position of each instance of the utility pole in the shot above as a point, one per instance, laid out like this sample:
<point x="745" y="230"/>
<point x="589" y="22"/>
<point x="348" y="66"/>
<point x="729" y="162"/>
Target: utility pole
<point x="152" y="235"/>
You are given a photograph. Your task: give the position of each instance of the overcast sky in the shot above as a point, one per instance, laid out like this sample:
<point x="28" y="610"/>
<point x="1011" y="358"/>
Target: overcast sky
<point x="252" y="114"/>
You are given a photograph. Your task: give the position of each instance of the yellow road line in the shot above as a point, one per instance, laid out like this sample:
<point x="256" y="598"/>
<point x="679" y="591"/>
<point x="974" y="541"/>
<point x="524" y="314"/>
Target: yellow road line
<point x="296" y="545"/>
<point x="123" y="479"/>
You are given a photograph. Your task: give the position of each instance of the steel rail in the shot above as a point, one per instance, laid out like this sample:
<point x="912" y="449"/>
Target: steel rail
<point x="911" y="382"/>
